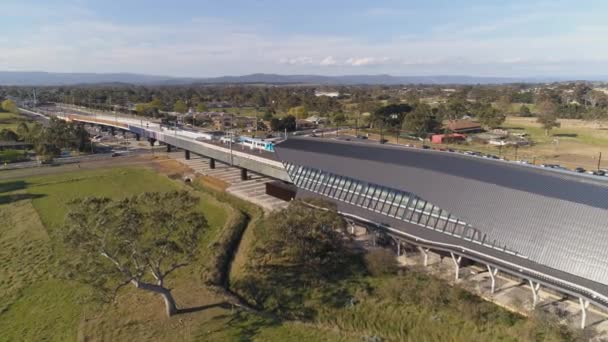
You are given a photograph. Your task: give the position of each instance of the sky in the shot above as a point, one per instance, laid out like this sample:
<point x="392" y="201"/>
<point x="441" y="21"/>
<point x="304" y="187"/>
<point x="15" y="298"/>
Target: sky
<point x="201" y="38"/>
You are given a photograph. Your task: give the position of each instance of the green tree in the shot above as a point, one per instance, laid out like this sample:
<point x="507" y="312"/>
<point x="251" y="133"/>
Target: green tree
<point x="10" y="106"/>
<point x="180" y="107"/>
<point x="138" y="240"/>
<point x="547" y="116"/>
<point x="305" y="236"/>
<point x="46" y="152"/>
<point x="8" y="135"/>
<point x="491" y="117"/>
<point x="299" y="112"/>
<point x="524" y="111"/>
<point x="421" y="121"/>
<point x="339" y="118"/>
<point x="456" y="108"/>
<point x="392" y="114"/>
<point x="267" y="116"/>
<point x="23" y="130"/>
<point x="201" y="107"/>
<point x="504" y="104"/>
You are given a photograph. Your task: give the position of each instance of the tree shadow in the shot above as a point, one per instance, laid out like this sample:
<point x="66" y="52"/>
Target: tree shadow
<point x="223" y="305"/>
<point x="12" y="186"/>
<point x="566" y="135"/>
<point x="11" y="198"/>
<point x="247" y="325"/>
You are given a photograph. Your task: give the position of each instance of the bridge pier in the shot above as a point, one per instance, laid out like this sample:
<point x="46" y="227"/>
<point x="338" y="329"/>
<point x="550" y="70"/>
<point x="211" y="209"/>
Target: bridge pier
<point x="425" y="252"/>
<point x="112" y="130"/>
<point x="535" y="288"/>
<point x="186" y="154"/>
<point x="151" y="141"/>
<point x="137" y="137"/>
<point x="168" y="148"/>
<point x="493" y="271"/>
<point x="211" y="163"/>
<point x="584" y="306"/>
<point x="456" y="264"/>
<point x="244" y="174"/>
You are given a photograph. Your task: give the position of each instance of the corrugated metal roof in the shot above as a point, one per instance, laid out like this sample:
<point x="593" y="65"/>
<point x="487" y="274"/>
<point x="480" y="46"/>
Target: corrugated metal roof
<point x="556" y="219"/>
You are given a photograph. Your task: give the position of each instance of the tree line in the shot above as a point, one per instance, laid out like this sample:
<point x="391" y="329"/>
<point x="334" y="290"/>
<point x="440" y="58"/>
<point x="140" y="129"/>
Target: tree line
<point x="50" y="140"/>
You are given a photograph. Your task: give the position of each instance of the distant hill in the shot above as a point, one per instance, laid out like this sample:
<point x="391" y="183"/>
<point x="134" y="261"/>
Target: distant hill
<point x="49" y="78"/>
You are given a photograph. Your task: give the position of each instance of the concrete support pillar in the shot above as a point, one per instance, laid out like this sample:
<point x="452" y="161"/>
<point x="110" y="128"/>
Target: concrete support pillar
<point x="186" y="154"/>
<point x="243" y="174"/>
<point x="151" y="141"/>
<point x="398" y="248"/>
<point x="211" y="163"/>
<point x="137" y="137"/>
<point x="168" y="148"/>
<point x="493" y="271"/>
<point x="456" y="264"/>
<point x="425" y="252"/>
<point x="584" y="306"/>
<point x="112" y="130"/>
<point x="535" y="288"/>
<point x="352" y="228"/>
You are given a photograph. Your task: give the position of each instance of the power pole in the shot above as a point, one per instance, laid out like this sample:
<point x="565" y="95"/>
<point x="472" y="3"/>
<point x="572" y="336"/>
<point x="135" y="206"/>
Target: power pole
<point x="599" y="161"/>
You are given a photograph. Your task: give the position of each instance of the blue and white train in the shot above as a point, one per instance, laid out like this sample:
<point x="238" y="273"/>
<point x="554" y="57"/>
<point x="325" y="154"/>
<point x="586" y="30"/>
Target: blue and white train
<point x="258" y="144"/>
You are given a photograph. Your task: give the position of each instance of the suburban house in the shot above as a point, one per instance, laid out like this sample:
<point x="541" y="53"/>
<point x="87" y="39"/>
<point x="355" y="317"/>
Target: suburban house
<point x="463" y="126"/>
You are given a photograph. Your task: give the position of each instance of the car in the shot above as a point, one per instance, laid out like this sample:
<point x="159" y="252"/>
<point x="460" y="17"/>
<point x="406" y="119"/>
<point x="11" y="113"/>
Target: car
<point x="426" y="147"/>
<point x="579" y="170"/>
<point x="361" y="137"/>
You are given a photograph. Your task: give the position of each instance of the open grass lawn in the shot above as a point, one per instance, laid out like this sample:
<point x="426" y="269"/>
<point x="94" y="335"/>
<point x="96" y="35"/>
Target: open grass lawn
<point x="244" y="111"/>
<point x="575" y="143"/>
<point x="36" y="303"/>
<point x="11" y="121"/>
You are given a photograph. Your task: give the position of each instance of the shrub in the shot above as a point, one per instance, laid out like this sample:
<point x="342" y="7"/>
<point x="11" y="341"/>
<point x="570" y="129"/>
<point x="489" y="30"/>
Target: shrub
<point x="381" y="262"/>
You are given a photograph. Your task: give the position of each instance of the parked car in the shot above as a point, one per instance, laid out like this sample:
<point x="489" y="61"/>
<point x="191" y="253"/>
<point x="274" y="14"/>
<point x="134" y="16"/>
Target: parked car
<point x="579" y="170"/>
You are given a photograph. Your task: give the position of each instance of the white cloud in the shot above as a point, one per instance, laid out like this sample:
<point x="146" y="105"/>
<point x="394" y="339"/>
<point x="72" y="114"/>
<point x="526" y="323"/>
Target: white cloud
<point x="328" y="61"/>
<point x="367" y="61"/>
<point x="209" y="47"/>
<point x="296" y="61"/>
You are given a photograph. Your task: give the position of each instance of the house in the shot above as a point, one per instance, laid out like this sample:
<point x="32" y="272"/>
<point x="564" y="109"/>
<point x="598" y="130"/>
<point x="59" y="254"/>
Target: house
<point x="447" y="138"/>
<point x="327" y="93"/>
<point x="305" y="124"/>
<point x="463" y="126"/>
<point x="316" y="119"/>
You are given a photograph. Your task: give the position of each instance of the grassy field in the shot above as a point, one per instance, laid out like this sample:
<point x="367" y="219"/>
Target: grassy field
<point x="36" y="303"/>
<point x="411" y="306"/>
<point x="576" y="143"/>
<point x="244" y="111"/>
<point x="10" y="120"/>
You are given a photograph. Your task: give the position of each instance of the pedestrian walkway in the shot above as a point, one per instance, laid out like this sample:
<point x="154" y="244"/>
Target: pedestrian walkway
<point x="253" y="189"/>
